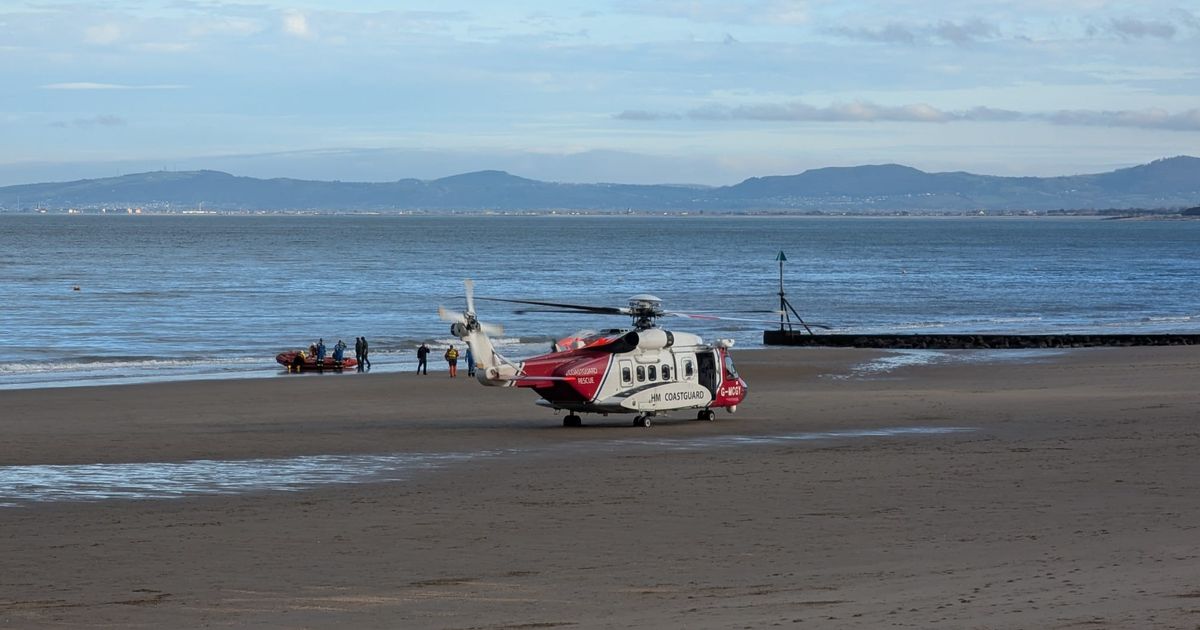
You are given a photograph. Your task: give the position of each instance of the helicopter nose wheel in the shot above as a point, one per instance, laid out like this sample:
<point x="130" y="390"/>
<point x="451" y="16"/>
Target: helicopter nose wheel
<point x="706" y="414"/>
<point x="641" y="421"/>
<point x="572" y="421"/>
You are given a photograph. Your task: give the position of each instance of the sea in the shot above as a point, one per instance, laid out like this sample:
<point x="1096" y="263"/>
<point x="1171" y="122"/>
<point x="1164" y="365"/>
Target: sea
<point x="105" y="299"/>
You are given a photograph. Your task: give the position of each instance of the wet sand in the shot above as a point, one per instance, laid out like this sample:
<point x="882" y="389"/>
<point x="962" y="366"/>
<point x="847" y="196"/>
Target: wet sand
<point x="1070" y="500"/>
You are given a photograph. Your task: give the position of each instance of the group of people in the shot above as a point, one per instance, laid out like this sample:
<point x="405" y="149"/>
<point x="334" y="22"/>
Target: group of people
<point x="451" y="356"/>
<point x="361" y="350"/>
<point x="362" y="355"/>
<point x="317" y="351"/>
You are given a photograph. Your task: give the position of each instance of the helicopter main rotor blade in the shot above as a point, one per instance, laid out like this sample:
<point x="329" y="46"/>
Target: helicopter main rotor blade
<point x="491" y="329"/>
<point x="732" y="319"/>
<point x="470" y="284"/>
<point x="578" y="308"/>
<point x="448" y="315"/>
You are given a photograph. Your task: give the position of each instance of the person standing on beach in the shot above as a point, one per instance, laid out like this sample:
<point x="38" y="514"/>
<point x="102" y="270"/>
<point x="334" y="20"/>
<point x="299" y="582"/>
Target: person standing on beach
<point x="339" y="353"/>
<point x="422" y="358"/>
<point x="358" y="352"/>
<point x="320" y="352"/>
<point x="366" y="349"/>
<point x="470" y="361"/>
<point x="452" y="360"/>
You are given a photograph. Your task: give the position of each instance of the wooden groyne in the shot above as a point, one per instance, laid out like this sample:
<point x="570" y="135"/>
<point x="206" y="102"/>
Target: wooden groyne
<point x="972" y="341"/>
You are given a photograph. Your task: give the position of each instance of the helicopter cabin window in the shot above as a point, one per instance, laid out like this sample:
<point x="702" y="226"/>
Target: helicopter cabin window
<point x="641" y="373"/>
<point x="689" y="370"/>
<point x="626" y="375"/>
<point x="666" y="372"/>
<point x="652" y="372"/>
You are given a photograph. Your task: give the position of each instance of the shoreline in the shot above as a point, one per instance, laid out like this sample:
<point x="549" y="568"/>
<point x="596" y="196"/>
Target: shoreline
<point x="386" y="366"/>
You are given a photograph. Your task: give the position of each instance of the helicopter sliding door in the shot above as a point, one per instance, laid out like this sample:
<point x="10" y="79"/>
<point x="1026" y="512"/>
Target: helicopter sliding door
<point x="707" y="365"/>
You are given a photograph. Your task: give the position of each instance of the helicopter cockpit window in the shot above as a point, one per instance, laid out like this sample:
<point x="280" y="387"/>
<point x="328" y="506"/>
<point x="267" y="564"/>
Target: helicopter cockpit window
<point x="666" y="372"/>
<point x="729" y="369"/>
<point x="652" y="372"/>
<point x="641" y="373"/>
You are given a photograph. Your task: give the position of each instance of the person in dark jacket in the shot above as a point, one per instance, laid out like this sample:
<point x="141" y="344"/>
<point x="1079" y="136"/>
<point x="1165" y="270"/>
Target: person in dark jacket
<point x="366" y="352"/>
<point x="358" y="352"/>
<point x="422" y="359"/>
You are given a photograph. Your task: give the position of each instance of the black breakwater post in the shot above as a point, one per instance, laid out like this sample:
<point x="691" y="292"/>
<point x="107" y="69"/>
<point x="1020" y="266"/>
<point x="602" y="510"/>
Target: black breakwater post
<point x="973" y="341"/>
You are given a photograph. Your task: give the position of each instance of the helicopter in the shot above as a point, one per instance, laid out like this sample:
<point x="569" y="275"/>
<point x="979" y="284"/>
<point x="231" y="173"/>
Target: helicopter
<point x="645" y="370"/>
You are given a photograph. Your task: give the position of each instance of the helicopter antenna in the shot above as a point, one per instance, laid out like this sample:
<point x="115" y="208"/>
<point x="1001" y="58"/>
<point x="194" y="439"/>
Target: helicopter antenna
<point x="784" y="305"/>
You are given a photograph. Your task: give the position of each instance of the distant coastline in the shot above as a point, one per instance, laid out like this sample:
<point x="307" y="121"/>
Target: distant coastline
<point x="1163" y="187"/>
<point x="1162" y="214"/>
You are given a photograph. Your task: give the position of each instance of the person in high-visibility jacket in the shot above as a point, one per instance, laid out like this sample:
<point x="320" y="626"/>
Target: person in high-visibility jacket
<point x="452" y="360"/>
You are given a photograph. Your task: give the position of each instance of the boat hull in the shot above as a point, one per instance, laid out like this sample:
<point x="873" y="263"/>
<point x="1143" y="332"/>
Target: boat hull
<point x="296" y="363"/>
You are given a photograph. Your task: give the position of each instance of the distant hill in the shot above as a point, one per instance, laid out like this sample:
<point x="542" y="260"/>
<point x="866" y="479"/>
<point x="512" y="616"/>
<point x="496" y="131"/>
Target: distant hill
<point x="1166" y="183"/>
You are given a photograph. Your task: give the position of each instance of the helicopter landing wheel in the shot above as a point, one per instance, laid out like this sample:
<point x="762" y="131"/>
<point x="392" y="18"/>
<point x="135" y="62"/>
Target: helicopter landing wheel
<point x="572" y="421"/>
<point x="707" y="414"/>
<point x="641" y="421"/>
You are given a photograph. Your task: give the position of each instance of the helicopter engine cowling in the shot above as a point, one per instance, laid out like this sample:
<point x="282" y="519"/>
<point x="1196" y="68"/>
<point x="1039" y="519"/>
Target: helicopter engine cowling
<point x="650" y="339"/>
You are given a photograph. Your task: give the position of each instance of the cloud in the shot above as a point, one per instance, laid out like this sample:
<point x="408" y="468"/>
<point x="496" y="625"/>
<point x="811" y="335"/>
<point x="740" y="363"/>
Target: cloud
<point x="1134" y="28"/>
<point x="237" y="26"/>
<point x="773" y="12"/>
<point x="165" y="47"/>
<point x="1130" y="28"/>
<point x="102" y="34"/>
<point x="1144" y="118"/>
<point x="959" y="33"/>
<point x="639" y="114"/>
<point x="967" y="32"/>
<point x="100" y="120"/>
<point x="296" y="23"/>
<point x="893" y="33"/>
<point x="861" y="111"/>
<point x="87" y="85"/>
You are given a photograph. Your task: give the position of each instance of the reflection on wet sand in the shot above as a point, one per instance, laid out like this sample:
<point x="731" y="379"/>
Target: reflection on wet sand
<point x="167" y="480"/>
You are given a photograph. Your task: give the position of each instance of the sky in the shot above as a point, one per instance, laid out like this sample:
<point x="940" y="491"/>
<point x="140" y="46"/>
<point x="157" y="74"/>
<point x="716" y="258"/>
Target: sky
<point x="633" y="91"/>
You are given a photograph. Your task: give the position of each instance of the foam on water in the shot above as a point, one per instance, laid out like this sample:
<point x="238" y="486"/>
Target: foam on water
<point x="93" y="371"/>
<point x="22" y="485"/>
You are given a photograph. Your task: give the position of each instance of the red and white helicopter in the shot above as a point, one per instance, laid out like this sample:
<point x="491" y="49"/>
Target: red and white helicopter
<point x="644" y="371"/>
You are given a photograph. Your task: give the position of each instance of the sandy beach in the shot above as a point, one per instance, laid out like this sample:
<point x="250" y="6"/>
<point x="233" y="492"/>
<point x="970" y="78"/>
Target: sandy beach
<point x="850" y="491"/>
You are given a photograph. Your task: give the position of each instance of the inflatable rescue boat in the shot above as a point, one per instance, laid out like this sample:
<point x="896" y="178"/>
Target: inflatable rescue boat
<point x="297" y="361"/>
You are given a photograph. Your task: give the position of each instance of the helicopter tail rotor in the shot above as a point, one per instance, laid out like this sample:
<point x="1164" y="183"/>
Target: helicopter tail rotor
<point x="463" y="324"/>
<point x="491" y="368"/>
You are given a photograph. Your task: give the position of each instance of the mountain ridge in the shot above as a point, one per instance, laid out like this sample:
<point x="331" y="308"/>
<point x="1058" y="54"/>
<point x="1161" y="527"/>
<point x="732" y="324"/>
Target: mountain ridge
<point x="1164" y="183"/>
